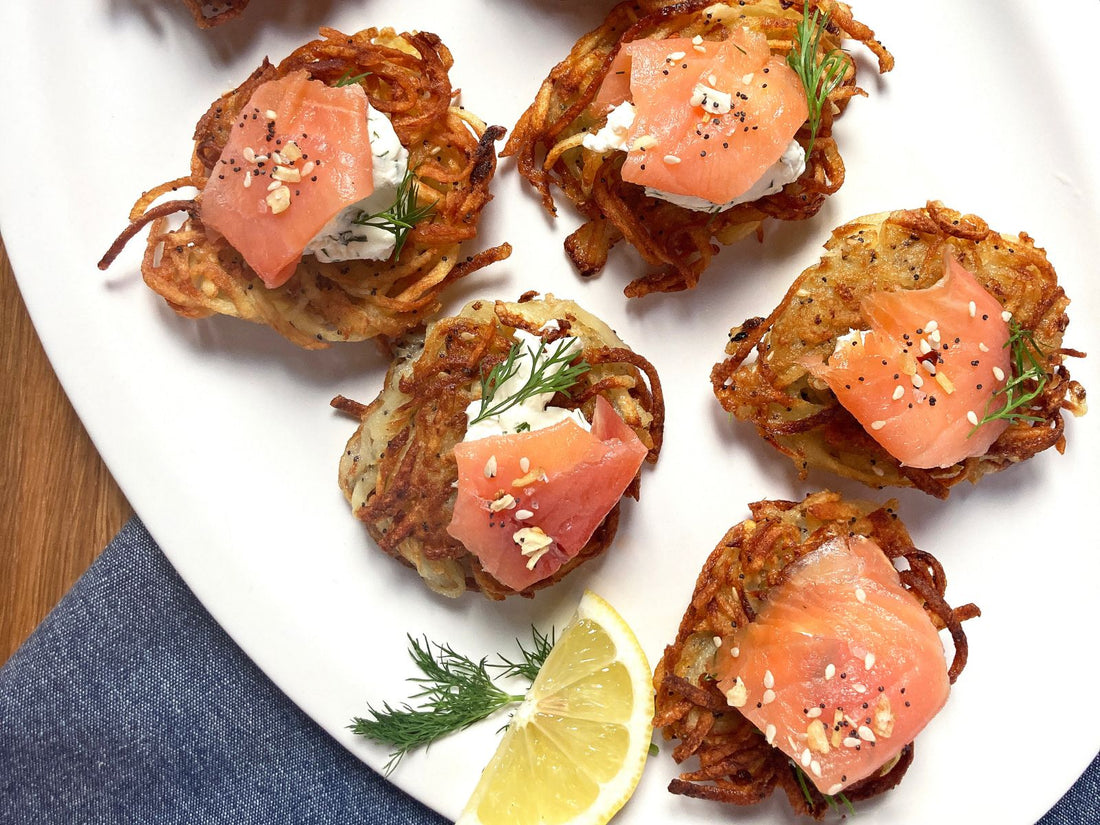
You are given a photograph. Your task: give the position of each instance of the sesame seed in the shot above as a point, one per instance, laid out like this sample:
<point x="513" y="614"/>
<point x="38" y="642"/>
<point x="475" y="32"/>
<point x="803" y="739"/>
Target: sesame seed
<point x="807" y="757"/>
<point x="861" y="596"/>
<point x="859" y="688"/>
<point x="835" y="789"/>
<point x="851" y="742"/>
<point x="274" y="185"/>
<point x="1006" y="316"/>
<point x="935" y="336"/>
<point x="247" y="181"/>
<point x="769" y="734"/>
<point x="523" y="514"/>
<point x="931" y="326"/>
<point x="270" y="114"/>
<point x="878" y="470"/>
<point x="899" y="391"/>
<point x="769" y="679"/>
<point x="813" y="712"/>
<point x="983" y="347"/>
<point x="671" y="159"/>
<point x="999" y="373"/>
<point x="830" y="670"/>
<point x="877" y="425"/>
<point x="768" y="697"/>
<point x="735" y="652"/>
<point x="866" y="734"/>
<point x="925" y="347"/>
<point x="869" y="661"/>
<point x="815" y="768"/>
<point x="695" y="41"/>
<point x="972" y="417"/>
<point x="249" y="154"/>
<point x="717" y="641"/>
<point x="491" y="467"/>
<point x="973" y="309"/>
<point x="677" y="56"/>
<point x="525" y="464"/>
<point x="918" y="382"/>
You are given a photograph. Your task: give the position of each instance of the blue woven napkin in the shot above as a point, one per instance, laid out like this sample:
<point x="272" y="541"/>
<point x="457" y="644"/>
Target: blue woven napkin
<point x="129" y="704"/>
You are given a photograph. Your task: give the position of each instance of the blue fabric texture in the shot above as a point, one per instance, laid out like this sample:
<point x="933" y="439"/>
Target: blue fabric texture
<point x="129" y="704"/>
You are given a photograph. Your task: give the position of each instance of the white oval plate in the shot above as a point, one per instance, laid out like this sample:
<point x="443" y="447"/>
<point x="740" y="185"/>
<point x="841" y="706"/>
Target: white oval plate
<point x="221" y="436"/>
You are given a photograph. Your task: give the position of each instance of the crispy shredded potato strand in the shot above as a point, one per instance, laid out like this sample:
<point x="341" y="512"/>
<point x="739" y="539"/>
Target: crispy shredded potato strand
<point x="453" y="158"/>
<point x="764" y="378"/>
<point x="399" y="471"/>
<point x="677" y="241"/>
<point x="736" y="765"/>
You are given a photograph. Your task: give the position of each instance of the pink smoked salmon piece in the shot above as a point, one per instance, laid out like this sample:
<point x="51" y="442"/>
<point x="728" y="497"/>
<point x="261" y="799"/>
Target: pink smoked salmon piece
<point x="704" y="150"/>
<point x="926" y="371"/>
<point x="328" y="128"/>
<point x="573" y="479"/>
<point x="841" y="668"/>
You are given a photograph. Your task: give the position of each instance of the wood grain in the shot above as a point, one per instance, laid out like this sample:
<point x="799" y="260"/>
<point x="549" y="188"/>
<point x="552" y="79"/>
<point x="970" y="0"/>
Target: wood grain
<point x="60" y="505"/>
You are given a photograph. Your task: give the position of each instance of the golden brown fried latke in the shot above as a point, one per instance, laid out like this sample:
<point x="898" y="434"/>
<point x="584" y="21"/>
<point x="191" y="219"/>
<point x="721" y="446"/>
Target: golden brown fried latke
<point x="214" y="12"/>
<point x="736" y="764"/>
<point x="889" y="251"/>
<point x="450" y="152"/>
<point x="399" y="471"/>
<point x="678" y="241"/>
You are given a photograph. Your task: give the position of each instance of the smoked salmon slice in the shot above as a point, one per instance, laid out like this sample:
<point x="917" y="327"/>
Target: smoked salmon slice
<point x="841" y="668"/>
<point x="529" y="502"/>
<point x="921" y="379"/>
<point x="298" y="154"/>
<point x="710" y="116"/>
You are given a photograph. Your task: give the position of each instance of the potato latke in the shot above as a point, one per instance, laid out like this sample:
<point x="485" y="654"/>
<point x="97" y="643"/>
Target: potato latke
<point x="398" y="471"/>
<point x="765" y="378"/>
<point x="736" y="764"/>
<point x="678" y="242"/>
<point x="453" y="159"/>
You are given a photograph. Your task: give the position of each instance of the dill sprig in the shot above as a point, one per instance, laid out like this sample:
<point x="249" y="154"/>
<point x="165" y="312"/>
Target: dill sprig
<point x="819" y="78"/>
<point x="402" y="216"/>
<point x="550" y="372"/>
<point x="830" y="800"/>
<point x="1028" y="365"/>
<point x="456" y="692"/>
<point x="532" y="660"/>
<point x="347" y="79"/>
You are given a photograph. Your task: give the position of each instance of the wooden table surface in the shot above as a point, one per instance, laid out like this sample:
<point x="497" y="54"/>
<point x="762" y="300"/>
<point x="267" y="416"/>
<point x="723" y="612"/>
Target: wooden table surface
<point x="58" y="504"/>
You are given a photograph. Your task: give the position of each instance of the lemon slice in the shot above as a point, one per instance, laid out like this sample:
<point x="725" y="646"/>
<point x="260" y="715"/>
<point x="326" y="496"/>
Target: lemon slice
<point x="575" y="748"/>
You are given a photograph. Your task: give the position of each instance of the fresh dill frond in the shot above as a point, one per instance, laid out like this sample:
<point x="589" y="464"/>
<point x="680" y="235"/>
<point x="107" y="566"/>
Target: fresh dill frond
<point x="531" y="660"/>
<point x="830" y="800"/>
<point x="456" y="692"/>
<point x="550" y="372"/>
<point x="819" y="77"/>
<point x="1028" y="366"/>
<point x="402" y="216"/>
<point x="347" y="79"/>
